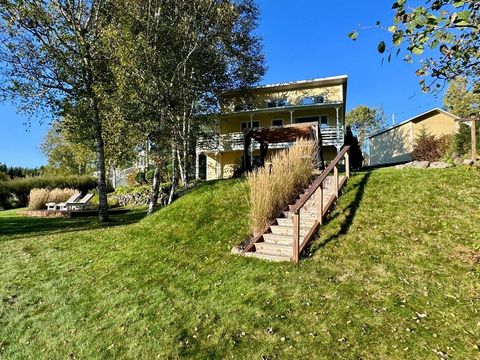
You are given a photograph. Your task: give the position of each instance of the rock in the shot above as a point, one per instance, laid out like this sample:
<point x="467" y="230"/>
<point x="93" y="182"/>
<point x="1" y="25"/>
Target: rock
<point x="236" y="250"/>
<point x="400" y="166"/>
<point x="418" y="164"/>
<point x="457" y="161"/>
<point x="468" y="162"/>
<point x="439" y="165"/>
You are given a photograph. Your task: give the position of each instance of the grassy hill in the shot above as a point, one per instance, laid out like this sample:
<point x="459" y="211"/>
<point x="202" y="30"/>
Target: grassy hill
<point x="394" y="274"/>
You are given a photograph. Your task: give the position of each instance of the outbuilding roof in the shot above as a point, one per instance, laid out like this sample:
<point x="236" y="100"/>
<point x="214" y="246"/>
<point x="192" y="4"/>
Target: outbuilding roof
<point x="414" y="119"/>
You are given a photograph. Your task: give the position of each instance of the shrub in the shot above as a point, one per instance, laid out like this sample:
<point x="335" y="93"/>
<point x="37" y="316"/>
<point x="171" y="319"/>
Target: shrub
<point x="21" y="187"/>
<point x="428" y="147"/>
<point x="38" y="198"/>
<point x="273" y="187"/>
<point x="356" y="156"/>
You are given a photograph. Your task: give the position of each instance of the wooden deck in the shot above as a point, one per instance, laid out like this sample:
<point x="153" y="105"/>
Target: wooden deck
<point x="68" y="214"/>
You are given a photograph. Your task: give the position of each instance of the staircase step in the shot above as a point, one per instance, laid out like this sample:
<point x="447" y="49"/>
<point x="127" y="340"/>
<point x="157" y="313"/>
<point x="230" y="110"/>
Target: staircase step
<point x="275" y="258"/>
<point x="274" y="249"/>
<point x="310" y="216"/>
<point x="288" y="222"/>
<point x="288" y="230"/>
<point x="278" y="239"/>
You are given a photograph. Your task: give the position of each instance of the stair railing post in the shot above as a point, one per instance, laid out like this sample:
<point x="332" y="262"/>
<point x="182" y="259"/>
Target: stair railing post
<point x="347" y="164"/>
<point x="335" y="179"/>
<point x="320" y="204"/>
<point x="296" y="236"/>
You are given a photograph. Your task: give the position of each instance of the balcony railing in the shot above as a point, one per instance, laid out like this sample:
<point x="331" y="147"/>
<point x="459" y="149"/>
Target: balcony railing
<point x="331" y="136"/>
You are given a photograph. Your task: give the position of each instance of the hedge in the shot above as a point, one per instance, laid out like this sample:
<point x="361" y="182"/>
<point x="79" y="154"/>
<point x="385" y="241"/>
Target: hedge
<point x="21" y="187"/>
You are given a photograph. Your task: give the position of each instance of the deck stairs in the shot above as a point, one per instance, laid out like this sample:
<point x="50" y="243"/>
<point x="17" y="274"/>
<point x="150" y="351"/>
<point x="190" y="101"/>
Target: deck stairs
<point x="279" y="241"/>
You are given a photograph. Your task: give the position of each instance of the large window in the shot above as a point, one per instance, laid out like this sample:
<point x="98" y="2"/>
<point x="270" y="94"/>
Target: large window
<point x="243" y="107"/>
<point x="306" y="119"/>
<point x="277" y="122"/>
<point x="277" y="103"/>
<point x="310" y="100"/>
<point x="246" y="125"/>
<point x="322" y="119"/>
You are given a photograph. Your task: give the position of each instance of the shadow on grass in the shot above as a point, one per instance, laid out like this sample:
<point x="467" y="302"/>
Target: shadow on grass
<point x="349" y="210"/>
<point x="17" y="227"/>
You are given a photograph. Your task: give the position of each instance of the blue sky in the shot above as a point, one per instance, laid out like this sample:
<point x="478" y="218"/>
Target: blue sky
<point x="303" y="39"/>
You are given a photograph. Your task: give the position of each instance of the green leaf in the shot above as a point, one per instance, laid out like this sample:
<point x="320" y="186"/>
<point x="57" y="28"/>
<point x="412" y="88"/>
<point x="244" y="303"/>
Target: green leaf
<point x="458" y="4"/>
<point x="381" y="47"/>
<point x="353" y="35"/>
<point x="392" y="28"/>
<point x="417" y="49"/>
<point x="397" y="38"/>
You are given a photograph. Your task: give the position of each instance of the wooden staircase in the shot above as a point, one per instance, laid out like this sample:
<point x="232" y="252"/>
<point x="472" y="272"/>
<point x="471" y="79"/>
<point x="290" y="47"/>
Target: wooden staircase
<point x="288" y="235"/>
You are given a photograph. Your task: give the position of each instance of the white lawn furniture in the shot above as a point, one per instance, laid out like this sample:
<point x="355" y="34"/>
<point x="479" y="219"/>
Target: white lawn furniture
<point x="82" y="204"/>
<point x="51" y="206"/>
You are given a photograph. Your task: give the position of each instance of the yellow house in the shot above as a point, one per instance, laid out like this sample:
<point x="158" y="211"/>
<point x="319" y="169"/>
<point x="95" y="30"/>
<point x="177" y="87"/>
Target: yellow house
<point x="395" y="144"/>
<point x="251" y="127"/>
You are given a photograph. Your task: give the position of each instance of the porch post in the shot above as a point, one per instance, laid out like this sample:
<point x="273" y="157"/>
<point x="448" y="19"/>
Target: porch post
<point x="291" y="116"/>
<point x="338" y="124"/>
<point x="263" y="153"/>
<point x="197" y="165"/>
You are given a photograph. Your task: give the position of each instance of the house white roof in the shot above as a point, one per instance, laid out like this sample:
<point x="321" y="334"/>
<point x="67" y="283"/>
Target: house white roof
<point x="434" y="110"/>
<point x="332" y="79"/>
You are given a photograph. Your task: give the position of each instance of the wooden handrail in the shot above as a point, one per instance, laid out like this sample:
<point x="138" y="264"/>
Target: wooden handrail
<point x="316" y="184"/>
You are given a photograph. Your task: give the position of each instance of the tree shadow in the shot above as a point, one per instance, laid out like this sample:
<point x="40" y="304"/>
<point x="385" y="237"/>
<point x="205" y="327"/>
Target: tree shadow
<point x="349" y="210"/>
<point x="17" y="227"/>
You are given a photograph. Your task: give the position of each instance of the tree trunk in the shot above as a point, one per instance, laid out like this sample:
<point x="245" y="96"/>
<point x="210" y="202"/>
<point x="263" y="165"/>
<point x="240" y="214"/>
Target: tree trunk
<point x="100" y="155"/>
<point x="174" y="172"/>
<point x="152" y="206"/>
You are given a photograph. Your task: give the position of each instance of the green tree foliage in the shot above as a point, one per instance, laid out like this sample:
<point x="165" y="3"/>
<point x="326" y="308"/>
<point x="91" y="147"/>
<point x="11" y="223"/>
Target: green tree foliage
<point x="460" y="99"/>
<point x="54" y="57"/>
<point x="364" y="121"/>
<point x="356" y="157"/>
<point x="65" y="157"/>
<point x="12" y="172"/>
<point x="462" y="140"/>
<point x="448" y="29"/>
<point x="176" y="57"/>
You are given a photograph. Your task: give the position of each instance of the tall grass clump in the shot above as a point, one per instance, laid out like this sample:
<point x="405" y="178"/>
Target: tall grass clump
<point x="272" y="188"/>
<point x="38" y="198"/>
<point x="60" y="195"/>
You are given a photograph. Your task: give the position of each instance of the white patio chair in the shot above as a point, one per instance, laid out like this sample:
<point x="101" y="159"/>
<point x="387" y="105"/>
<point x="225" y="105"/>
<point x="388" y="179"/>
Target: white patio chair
<point x="51" y="206"/>
<point x="82" y="204"/>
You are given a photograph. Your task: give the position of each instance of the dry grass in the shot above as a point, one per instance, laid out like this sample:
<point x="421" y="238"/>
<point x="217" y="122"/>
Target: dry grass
<point x="271" y="191"/>
<point x="60" y="195"/>
<point x="39" y="197"/>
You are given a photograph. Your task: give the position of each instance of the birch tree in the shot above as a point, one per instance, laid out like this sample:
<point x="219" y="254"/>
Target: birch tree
<point x="54" y="60"/>
<point x="177" y="57"/>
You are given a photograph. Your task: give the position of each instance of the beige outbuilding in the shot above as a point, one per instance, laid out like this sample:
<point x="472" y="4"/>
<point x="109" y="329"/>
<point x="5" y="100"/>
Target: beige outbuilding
<point x="395" y="144"/>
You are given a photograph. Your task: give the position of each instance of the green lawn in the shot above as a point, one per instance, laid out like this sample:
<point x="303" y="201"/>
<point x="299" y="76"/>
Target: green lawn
<point x="395" y="274"/>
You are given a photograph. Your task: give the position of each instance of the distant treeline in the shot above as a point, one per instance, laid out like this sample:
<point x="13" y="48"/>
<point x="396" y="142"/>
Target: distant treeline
<point x="19" y="172"/>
